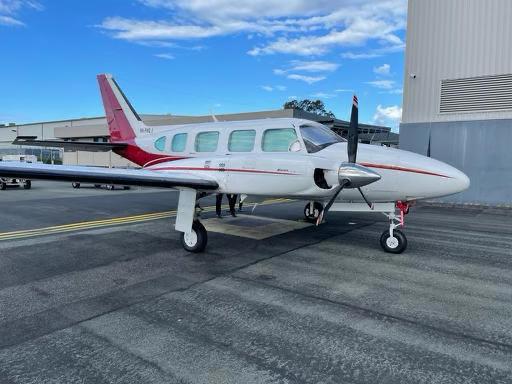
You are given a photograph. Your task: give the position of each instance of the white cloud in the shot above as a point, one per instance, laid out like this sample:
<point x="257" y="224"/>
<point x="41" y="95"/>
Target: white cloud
<point x="323" y="95"/>
<point x="298" y="27"/>
<point x="165" y="56"/>
<point x="270" y="88"/>
<point x="397" y="91"/>
<point x="382" y="84"/>
<point x="343" y="90"/>
<point x="357" y="56"/>
<point x="388" y="115"/>
<point x="10" y="8"/>
<point x="308" y="66"/>
<point x="307" y="79"/>
<point x="383" y="70"/>
<point x="10" y="21"/>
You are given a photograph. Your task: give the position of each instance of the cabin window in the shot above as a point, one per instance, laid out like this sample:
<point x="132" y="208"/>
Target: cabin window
<point x="278" y="140"/>
<point x="179" y="142"/>
<point x="242" y="141"/>
<point x="207" y="141"/>
<point x="160" y="143"/>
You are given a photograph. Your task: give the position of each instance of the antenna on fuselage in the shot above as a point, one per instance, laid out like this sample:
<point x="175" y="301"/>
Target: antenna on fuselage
<point x="214" y="118"/>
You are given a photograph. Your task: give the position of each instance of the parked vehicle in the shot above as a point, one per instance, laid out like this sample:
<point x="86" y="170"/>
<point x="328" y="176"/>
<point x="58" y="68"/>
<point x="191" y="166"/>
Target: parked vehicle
<point x="110" y="187"/>
<point x="8" y="182"/>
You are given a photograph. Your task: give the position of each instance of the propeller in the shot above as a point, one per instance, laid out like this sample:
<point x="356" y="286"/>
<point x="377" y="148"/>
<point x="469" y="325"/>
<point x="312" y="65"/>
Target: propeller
<point x="350" y="174"/>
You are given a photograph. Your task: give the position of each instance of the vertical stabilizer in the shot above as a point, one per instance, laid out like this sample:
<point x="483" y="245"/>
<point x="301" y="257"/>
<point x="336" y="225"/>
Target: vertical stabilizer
<point x="123" y="122"/>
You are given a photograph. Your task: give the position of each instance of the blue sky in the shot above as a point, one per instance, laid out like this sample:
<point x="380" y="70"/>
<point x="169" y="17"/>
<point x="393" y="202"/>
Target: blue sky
<point x="197" y="56"/>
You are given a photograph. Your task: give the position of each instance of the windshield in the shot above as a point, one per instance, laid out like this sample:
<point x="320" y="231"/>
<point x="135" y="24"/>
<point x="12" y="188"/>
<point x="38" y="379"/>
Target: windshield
<point x="318" y="137"/>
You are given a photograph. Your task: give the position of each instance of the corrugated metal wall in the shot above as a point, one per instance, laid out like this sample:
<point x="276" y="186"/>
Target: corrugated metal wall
<point x="452" y="39"/>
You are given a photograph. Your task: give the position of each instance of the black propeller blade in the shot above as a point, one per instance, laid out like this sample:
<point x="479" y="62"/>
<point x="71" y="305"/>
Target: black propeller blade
<point x="353" y="176"/>
<point x="353" y="131"/>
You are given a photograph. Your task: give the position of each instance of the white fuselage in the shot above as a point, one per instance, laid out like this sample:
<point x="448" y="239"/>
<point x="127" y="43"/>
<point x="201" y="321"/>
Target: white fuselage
<point x="405" y="176"/>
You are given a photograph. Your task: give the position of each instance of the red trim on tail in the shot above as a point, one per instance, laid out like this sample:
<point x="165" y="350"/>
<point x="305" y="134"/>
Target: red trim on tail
<point x="140" y="157"/>
<point x="118" y="125"/>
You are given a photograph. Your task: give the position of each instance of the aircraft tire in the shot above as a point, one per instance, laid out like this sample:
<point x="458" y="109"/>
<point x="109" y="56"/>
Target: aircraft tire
<point x="27" y="184"/>
<point x="3" y="186"/>
<point x="397" y="244"/>
<point x="75" y="185"/>
<point x="311" y="215"/>
<point x="196" y="241"/>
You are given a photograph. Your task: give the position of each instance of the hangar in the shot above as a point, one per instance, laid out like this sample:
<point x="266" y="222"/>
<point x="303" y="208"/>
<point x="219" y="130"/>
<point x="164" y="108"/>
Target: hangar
<point x="457" y="103"/>
<point x="95" y="129"/>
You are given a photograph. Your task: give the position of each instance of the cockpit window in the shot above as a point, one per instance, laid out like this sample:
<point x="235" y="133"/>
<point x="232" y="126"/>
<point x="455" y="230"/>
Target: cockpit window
<point x="318" y="137"/>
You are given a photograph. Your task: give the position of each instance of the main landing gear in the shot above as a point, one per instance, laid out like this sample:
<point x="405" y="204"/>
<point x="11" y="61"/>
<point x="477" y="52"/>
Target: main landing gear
<point x="393" y="240"/>
<point x="196" y="240"/>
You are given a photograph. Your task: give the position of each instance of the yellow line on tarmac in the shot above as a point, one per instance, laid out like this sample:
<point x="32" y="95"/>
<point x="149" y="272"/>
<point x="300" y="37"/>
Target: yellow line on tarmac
<point x="104" y="223"/>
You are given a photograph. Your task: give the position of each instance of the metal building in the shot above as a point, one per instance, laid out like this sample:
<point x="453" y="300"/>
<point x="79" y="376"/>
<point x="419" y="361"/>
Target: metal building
<point x="457" y="104"/>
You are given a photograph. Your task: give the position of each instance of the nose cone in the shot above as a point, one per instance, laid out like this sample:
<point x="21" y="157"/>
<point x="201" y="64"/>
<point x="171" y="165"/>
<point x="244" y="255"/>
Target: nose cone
<point x="357" y="175"/>
<point x="459" y="181"/>
<point x="452" y="181"/>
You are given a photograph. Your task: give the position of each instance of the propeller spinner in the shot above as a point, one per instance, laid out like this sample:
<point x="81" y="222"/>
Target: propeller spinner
<point x="350" y="174"/>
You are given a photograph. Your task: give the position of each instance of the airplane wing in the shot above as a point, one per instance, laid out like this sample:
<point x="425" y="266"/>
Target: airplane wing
<point x="72" y="145"/>
<point x="96" y="175"/>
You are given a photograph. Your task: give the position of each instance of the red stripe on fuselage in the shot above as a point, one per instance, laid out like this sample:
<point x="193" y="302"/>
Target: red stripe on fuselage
<point x="140" y="157"/>
<point x="222" y="170"/>
<point x="403" y="169"/>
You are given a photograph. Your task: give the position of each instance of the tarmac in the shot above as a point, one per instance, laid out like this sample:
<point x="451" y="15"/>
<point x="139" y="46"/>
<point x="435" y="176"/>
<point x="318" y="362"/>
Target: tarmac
<point x="96" y="288"/>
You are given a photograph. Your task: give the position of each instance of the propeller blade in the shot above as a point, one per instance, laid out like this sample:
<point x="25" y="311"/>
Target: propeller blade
<point x="331" y="202"/>
<point x="365" y="199"/>
<point x="353" y="131"/>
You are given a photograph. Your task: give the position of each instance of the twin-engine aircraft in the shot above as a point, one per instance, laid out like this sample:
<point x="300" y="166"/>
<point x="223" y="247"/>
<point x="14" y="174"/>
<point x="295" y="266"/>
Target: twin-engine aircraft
<point x="285" y="157"/>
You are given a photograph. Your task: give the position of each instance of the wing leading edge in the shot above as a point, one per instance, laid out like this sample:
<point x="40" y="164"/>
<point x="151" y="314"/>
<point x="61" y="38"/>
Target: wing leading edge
<point x="94" y="175"/>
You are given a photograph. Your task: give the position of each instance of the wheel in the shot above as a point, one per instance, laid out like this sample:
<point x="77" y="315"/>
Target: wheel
<point x="396" y="244"/>
<point x="110" y="187"/>
<point x="75" y="185"/>
<point x="3" y="185"/>
<point x="27" y="184"/>
<point x="312" y="215"/>
<point x="196" y="240"/>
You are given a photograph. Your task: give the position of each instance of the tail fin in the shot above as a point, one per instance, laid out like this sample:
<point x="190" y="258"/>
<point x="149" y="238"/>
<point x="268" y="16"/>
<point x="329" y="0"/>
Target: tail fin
<point x="123" y="121"/>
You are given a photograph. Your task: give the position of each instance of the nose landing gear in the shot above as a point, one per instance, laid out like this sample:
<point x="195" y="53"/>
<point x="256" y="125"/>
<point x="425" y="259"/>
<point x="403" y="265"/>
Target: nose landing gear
<point x="312" y="211"/>
<point x="393" y="240"/>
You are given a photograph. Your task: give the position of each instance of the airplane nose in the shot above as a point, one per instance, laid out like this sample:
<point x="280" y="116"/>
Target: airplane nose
<point x="461" y="181"/>
<point x="455" y="182"/>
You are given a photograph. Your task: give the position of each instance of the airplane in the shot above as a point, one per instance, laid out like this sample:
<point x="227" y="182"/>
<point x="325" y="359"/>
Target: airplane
<point x="274" y="157"/>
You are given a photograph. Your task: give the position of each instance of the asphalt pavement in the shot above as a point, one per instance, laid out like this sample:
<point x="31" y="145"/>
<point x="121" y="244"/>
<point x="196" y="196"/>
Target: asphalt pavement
<point x="106" y="294"/>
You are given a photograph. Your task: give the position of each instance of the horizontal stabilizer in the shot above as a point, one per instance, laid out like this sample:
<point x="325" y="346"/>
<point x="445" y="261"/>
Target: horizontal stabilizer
<point x="96" y="175"/>
<point x="70" y="145"/>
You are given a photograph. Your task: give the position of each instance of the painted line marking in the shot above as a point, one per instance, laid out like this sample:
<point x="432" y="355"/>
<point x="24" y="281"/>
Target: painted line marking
<point x="95" y="224"/>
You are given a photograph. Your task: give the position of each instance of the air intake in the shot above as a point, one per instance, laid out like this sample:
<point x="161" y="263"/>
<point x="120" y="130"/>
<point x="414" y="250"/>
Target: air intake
<point x="473" y="94"/>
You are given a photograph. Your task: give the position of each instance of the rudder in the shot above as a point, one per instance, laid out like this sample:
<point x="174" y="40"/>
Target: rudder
<point x="123" y="121"/>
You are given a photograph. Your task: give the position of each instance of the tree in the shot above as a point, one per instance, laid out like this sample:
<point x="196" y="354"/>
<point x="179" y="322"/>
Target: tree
<point x="312" y="106"/>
